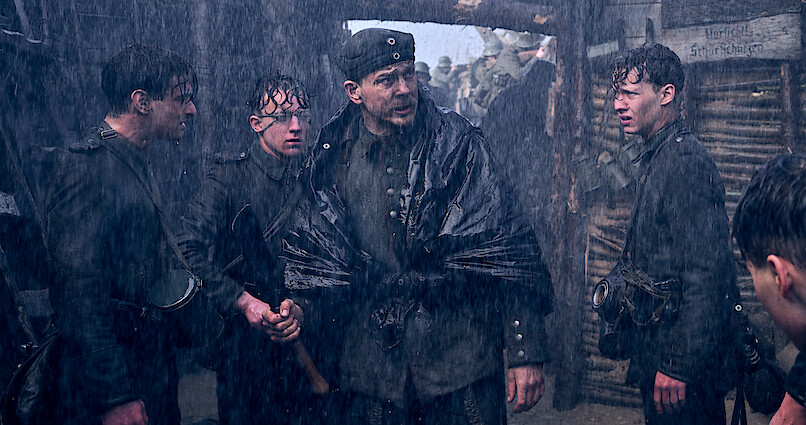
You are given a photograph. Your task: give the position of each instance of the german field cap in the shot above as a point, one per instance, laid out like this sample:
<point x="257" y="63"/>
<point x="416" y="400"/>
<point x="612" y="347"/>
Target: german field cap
<point x="371" y="49"/>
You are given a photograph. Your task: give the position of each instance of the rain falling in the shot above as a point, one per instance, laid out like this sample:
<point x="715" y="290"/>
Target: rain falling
<point x="432" y="212"/>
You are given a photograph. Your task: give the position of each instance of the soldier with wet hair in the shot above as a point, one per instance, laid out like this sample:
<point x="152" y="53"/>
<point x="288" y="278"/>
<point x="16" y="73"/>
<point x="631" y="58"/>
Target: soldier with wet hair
<point x="108" y="248"/>
<point x="257" y="376"/>
<point x="679" y="238"/>
<point x="770" y="229"/>
<point x="137" y="67"/>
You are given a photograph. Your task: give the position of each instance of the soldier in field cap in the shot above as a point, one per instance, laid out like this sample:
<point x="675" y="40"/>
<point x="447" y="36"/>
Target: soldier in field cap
<point x="443" y="270"/>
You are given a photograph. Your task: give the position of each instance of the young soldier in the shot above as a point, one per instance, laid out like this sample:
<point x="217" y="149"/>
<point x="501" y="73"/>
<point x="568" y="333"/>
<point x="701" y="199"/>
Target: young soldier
<point x="770" y="229"/>
<point x="678" y="235"/>
<point x="257" y="376"/>
<point x="107" y="243"/>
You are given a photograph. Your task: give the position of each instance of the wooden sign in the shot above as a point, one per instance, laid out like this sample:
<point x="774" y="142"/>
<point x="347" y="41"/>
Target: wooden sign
<point x="772" y="37"/>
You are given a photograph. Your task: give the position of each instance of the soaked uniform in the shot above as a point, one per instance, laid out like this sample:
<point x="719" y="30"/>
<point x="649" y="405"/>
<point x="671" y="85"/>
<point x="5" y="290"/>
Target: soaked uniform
<point x="680" y="230"/>
<point x="259" y="381"/>
<point x="431" y="310"/>
<point x="107" y="246"/>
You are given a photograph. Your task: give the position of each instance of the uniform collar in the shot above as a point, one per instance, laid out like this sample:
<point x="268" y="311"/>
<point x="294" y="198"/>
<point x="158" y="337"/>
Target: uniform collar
<point x="367" y="142"/>
<point x="651" y="145"/>
<point x="127" y="150"/>
<point x="269" y="164"/>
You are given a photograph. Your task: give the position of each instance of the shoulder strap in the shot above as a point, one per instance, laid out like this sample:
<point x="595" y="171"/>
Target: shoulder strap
<point x="152" y="190"/>
<point x="282" y="216"/>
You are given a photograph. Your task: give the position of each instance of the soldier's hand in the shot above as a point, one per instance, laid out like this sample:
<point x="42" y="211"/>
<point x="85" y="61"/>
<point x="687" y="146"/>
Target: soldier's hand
<point x="528" y="384"/>
<point x="253" y="309"/>
<point x="131" y="413"/>
<point x="790" y="413"/>
<point x="669" y="394"/>
<point x="284" y="326"/>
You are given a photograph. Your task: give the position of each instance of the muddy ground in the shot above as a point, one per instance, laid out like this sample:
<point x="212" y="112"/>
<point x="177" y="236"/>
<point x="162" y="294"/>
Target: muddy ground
<point x="198" y="403"/>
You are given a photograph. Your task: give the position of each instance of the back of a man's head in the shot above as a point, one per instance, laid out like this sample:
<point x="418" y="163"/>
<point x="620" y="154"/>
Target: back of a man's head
<point x="771" y="215"/>
<point x="653" y="63"/>
<point x="146" y="68"/>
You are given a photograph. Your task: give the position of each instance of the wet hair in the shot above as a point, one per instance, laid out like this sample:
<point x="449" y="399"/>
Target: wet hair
<point x="147" y="68"/>
<point x="771" y="215"/>
<point x="655" y="63"/>
<point x="271" y="85"/>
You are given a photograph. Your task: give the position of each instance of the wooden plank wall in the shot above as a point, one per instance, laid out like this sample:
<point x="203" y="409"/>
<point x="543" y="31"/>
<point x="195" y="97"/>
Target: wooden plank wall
<point x="603" y="379"/>
<point x="737" y="116"/>
<point x="740" y="123"/>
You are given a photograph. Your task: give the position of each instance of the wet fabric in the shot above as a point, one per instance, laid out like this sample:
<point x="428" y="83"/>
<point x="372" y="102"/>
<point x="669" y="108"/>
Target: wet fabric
<point x="704" y="406"/>
<point x="480" y="403"/>
<point x="106" y="244"/>
<point x="515" y="127"/>
<point x="679" y="230"/>
<point x="796" y="380"/>
<point x="256" y="377"/>
<point x="470" y="282"/>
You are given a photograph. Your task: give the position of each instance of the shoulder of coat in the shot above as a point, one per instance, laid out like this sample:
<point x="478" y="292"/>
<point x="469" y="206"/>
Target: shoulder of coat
<point x="229" y="156"/>
<point x="685" y="144"/>
<point x="92" y="140"/>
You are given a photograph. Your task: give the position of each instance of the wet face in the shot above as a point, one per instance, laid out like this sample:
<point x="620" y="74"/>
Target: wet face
<point x="388" y="97"/>
<point x="780" y="288"/>
<point x="638" y="104"/>
<point x="282" y="126"/>
<point x="169" y="116"/>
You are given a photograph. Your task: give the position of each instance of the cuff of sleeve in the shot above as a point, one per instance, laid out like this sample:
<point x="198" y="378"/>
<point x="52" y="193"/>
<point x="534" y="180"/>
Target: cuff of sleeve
<point x="223" y="298"/>
<point x="675" y="367"/>
<point x="525" y="341"/>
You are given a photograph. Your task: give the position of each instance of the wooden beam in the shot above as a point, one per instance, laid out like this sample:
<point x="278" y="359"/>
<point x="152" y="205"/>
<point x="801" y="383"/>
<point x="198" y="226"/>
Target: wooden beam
<point x="683" y="13"/>
<point x="790" y="104"/>
<point x="571" y="130"/>
<point x="768" y="37"/>
<point x="510" y="14"/>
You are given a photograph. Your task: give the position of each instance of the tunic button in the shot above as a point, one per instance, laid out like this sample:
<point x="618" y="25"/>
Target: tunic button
<point x="516" y="323"/>
<point x="393" y="214"/>
<point x="401" y="281"/>
<point x="243" y="155"/>
<point x="389" y="170"/>
<point x="521" y="354"/>
<point x="518" y="337"/>
<point x="390" y="191"/>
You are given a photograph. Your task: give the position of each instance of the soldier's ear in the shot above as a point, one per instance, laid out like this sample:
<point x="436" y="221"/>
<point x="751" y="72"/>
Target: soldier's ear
<point x="668" y="92"/>
<point x="782" y="272"/>
<point x="353" y="91"/>
<point x="254" y="122"/>
<point x="141" y="101"/>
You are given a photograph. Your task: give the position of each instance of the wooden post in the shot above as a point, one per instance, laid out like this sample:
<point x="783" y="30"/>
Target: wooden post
<point x="690" y="92"/>
<point x="202" y="64"/>
<point x="571" y="128"/>
<point x="789" y="105"/>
